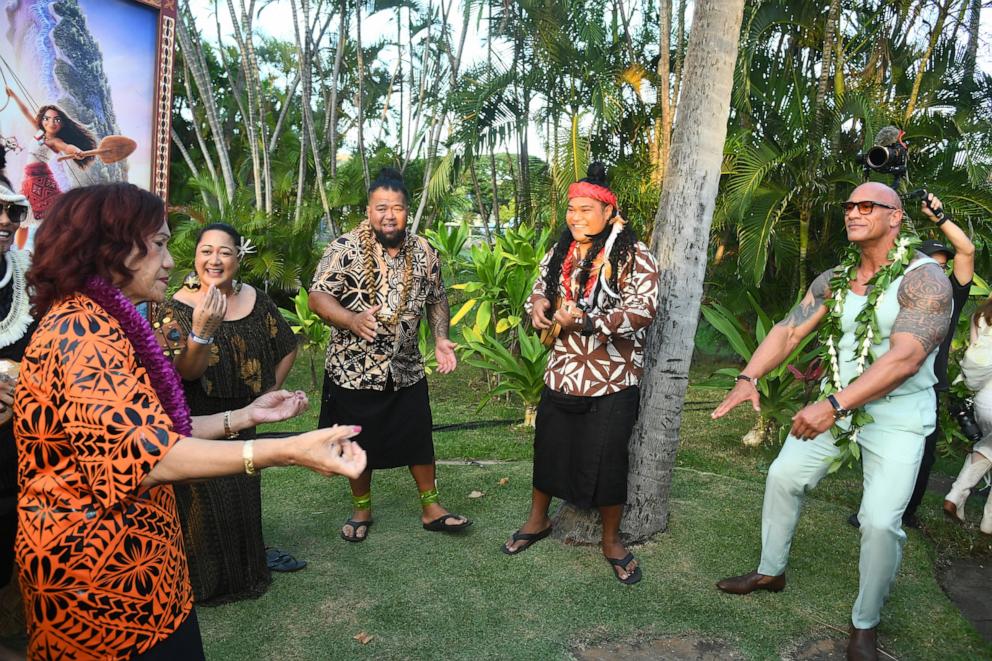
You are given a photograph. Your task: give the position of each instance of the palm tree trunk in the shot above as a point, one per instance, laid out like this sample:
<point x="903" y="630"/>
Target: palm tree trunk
<point x="925" y="60"/>
<point x="681" y="237"/>
<point x="971" y="51"/>
<point x="332" y="124"/>
<point x="360" y="95"/>
<point x="663" y="122"/>
<point x="189" y="42"/>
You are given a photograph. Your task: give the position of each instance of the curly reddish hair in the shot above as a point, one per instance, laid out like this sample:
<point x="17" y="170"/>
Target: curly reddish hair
<point x="91" y="231"/>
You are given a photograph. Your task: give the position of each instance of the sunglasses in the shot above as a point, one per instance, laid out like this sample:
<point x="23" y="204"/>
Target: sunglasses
<point x="14" y="211"/>
<point x="865" y="206"/>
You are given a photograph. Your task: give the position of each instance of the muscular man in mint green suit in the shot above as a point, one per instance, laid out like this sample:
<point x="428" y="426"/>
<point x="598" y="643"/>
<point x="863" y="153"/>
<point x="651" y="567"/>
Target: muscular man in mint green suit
<point x="897" y="390"/>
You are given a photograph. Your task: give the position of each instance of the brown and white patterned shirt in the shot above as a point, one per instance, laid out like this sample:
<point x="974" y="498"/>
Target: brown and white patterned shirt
<point x="355" y="363"/>
<point x="612" y="358"/>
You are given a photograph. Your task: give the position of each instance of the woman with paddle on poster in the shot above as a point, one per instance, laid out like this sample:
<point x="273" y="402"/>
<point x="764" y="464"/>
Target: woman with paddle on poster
<point x="58" y="133"/>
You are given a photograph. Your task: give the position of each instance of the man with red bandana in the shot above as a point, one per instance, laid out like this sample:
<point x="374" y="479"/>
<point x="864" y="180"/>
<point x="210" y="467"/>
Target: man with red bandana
<point x="594" y="300"/>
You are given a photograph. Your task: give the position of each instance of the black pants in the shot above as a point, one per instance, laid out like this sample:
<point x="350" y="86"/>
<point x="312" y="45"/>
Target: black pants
<point x="926" y="465"/>
<point x="184" y="643"/>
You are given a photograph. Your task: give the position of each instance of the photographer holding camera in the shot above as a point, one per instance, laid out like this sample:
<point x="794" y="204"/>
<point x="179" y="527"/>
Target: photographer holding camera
<point x="959" y="248"/>
<point x="976" y="367"/>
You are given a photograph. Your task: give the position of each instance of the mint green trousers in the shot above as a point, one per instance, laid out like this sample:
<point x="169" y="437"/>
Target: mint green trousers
<point x="890" y="461"/>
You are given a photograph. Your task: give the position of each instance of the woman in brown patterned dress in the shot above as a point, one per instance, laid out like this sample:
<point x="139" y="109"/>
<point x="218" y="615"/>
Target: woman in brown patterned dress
<point x="238" y="347"/>
<point x="598" y="287"/>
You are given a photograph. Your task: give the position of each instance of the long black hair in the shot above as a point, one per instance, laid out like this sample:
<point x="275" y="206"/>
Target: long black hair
<point x="390" y="179"/>
<point x="623" y="248"/>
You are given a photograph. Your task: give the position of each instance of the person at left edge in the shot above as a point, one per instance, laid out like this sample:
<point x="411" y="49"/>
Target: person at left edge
<point x="103" y="430"/>
<point x="16" y="326"/>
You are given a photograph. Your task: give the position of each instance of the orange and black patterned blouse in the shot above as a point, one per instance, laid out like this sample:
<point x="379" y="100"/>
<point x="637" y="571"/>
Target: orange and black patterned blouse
<point x="102" y="568"/>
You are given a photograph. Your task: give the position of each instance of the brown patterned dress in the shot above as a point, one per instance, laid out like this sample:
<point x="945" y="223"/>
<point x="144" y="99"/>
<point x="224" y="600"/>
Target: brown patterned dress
<point x="591" y="396"/>
<point x="222" y="517"/>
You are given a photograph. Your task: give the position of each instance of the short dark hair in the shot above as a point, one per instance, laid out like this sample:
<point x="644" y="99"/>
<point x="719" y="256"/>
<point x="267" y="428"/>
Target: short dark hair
<point x="91" y="231"/>
<point x="390" y="179"/>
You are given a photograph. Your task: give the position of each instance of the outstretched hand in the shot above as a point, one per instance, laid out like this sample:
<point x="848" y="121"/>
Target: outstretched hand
<point x="329" y="451"/>
<point x="444" y="351"/>
<point x="743" y="391"/>
<point x="277" y="405"/>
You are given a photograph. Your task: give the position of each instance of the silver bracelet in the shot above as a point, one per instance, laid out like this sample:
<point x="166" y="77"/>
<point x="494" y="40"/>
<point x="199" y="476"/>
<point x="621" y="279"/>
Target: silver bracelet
<point x="200" y="340"/>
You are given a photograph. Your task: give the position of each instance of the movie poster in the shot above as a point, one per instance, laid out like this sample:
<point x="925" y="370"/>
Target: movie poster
<point x="85" y="98"/>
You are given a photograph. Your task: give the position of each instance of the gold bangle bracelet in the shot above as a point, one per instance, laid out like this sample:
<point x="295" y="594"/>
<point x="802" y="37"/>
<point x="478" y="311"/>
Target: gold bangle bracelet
<point x="248" y="454"/>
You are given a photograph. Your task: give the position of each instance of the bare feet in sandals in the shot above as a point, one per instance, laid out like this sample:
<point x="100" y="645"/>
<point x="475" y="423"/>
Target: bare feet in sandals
<point x="356" y="529"/>
<point x="623" y="563"/>
<point x="530" y="533"/>
<point x="437" y="519"/>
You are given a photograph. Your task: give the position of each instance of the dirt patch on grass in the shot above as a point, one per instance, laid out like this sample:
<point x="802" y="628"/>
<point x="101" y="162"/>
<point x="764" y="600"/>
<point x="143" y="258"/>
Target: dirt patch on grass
<point x="820" y="649"/>
<point x="682" y="648"/>
<point x="966" y="581"/>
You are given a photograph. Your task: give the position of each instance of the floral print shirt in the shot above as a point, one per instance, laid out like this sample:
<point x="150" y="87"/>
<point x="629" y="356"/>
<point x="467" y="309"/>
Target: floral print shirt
<point x="357" y="364"/>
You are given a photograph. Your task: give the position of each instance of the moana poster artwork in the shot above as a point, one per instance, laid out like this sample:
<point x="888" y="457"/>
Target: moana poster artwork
<point x="86" y="94"/>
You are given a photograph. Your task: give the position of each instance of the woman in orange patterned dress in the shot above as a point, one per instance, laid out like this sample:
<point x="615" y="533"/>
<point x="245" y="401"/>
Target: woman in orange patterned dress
<point x="102" y="431"/>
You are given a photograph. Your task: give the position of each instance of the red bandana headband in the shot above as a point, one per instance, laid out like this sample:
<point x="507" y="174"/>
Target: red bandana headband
<point x="596" y="192"/>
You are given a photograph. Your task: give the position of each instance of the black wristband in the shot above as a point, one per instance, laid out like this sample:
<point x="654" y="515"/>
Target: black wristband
<point x="744" y="377"/>
<point x="943" y="219"/>
<point x="839" y="411"/>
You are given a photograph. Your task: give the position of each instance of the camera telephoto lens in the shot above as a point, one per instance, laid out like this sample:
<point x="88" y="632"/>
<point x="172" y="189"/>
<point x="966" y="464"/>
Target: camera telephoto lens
<point x="877" y="157"/>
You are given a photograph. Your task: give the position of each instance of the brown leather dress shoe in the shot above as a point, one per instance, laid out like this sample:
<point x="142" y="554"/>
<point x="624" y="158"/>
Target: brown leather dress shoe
<point x="748" y="583"/>
<point x="863" y="645"/>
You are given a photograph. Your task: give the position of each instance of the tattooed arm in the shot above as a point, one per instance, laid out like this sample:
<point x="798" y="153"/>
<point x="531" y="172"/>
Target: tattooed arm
<point x="923" y="320"/>
<point x="439" y="318"/>
<point x="781" y="340"/>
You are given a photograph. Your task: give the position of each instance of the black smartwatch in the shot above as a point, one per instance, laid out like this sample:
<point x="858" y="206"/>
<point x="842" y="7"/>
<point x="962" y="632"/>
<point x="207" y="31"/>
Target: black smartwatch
<point x="744" y="377"/>
<point x="839" y="411"/>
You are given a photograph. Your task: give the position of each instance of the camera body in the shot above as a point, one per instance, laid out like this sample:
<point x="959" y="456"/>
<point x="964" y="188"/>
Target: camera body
<point x="888" y="155"/>
<point x="963" y="411"/>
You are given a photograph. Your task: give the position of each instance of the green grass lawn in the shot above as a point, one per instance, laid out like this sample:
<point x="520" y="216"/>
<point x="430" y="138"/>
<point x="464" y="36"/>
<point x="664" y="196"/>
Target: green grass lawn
<point x="429" y="595"/>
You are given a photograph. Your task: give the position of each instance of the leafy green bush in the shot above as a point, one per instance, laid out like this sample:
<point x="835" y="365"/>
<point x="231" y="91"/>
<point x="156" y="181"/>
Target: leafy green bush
<point x="309" y="327"/>
<point x="520" y="374"/>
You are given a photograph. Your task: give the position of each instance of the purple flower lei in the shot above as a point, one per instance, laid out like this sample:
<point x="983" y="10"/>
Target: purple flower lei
<point x="161" y="372"/>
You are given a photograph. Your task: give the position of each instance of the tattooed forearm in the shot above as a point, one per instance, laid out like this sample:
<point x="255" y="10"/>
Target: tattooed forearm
<point x="439" y="318"/>
<point x="811" y="302"/>
<point x="924" y="306"/>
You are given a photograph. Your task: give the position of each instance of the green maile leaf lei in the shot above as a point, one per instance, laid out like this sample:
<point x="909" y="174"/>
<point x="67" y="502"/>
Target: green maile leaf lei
<point x="866" y="334"/>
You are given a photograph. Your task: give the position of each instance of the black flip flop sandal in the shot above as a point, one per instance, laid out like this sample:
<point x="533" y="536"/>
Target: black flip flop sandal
<point x="440" y="524"/>
<point x="530" y="538"/>
<point x="632" y="577"/>
<point x="278" y="560"/>
<point x="355" y="527"/>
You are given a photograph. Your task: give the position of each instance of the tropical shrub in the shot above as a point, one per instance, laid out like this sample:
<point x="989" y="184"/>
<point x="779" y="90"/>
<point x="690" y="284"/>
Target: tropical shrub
<point x="309" y="327"/>
<point x="520" y="374"/>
